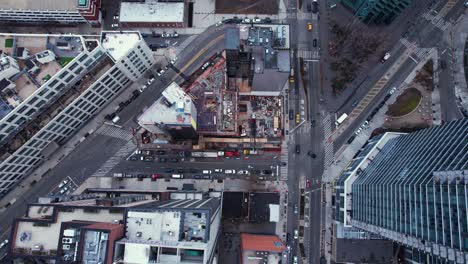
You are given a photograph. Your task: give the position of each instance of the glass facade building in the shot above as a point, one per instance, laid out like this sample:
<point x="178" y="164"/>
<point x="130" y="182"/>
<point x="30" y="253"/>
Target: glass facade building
<point x="413" y="190"/>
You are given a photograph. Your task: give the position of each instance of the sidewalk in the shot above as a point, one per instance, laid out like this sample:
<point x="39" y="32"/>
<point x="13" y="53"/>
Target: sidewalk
<point x="459" y="35"/>
<point x="71" y="144"/>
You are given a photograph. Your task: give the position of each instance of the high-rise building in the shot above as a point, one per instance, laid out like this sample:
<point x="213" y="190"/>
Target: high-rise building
<point x="412" y="189"/>
<point x="44" y="11"/>
<point x="376" y="11"/>
<point x="47" y="106"/>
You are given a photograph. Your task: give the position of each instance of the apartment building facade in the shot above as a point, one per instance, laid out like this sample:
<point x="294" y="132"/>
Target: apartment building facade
<point x="43" y="11"/>
<point x="48" y="117"/>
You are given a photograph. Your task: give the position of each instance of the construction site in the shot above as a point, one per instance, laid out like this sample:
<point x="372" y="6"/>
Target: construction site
<point x="230" y="110"/>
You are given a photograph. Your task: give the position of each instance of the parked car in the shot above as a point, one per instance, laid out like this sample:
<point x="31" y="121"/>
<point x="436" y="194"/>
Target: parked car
<point x="206" y="177"/>
<point x="169" y="170"/>
<point x="115" y="25"/>
<point x="65" y="182"/>
<point x="393" y="90"/>
<point x="197" y="177"/>
<point x="155" y="176"/>
<point x="150" y="81"/>
<point x="296" y="234"/>
<point x="243" y="172"/>
<point x="230" y="171"/>
<point x="309" y="26"/>
<point x="174" y="160"/>
<point x="206" y="172"/>
<point x="219" y="170"/>
<point x="162" y="160"/>
<point x="307" y="183"/>
<point x="298" y="149"/>
<point x="314" y="43"/>
<point x="295" y="209"/>
<point x="180" y="170"/>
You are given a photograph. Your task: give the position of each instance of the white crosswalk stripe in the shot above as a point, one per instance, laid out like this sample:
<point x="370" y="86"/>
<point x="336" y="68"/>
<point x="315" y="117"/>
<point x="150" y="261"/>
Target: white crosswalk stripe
<point x="121" y="154"/>
<point x="418" y="51"/>
<point x="436" y="20"/>
<point x="284" y="158"/>
<point x="306" y="54"/>
<point x="328" y="146"/>
<point x="112" y="131"/>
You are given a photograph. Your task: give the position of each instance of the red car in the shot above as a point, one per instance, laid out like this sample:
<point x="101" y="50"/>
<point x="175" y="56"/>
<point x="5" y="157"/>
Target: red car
<point x="307" y="183"/>
<point x="231" y="153"/>
<point x="155" y="176"/>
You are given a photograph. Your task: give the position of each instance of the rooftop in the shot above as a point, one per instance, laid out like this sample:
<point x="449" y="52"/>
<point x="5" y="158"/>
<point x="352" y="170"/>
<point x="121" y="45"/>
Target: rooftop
<point x="39" y="4"/>
<point x="152" y="11"/>
<point x="175" y="107"/>
<point x="30" y="233"/>
<point x="119" y="43"/>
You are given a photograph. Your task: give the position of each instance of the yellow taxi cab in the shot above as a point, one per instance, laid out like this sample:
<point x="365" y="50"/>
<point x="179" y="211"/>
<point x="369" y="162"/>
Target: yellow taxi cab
<point x="298" y="118"/>
<point x="309" y="26"/>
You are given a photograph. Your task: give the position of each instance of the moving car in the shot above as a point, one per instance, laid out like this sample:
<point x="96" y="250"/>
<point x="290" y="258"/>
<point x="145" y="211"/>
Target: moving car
<point x="4" y="243"/>
<point x="385" y="57"/>
<point x="298" y="118"/>
<point x="314" y="43"/>
<point x="309" y="26"/>
<point x="311" y="154"/>
<point x="295" y="209"/>
<point x="115" y="25"/>
<point x="307" y="183"/>
<point x="298" y="148"/>
<point x="296" y="234"/>
<point x="393" y="90"/>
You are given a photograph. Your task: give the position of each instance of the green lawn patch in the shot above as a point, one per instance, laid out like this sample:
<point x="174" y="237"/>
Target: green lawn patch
<point x="65" y="60"/>
<point x="405" y="103"/>
<point x="8" y="43"/>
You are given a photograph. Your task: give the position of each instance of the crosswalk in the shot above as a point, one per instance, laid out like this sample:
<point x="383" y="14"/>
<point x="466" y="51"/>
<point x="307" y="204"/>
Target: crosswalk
<point x="419" y="52"/>
<point x="328" y="145"/>
<point x="121" y="154"/>
<point x="437" y="20"/>
<point x="284" y="158"/>
<point x="116" y="132"/>
<point x="308" y="54"/>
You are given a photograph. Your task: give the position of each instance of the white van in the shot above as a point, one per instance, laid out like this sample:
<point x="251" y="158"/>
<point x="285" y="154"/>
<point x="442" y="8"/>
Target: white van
<point x="115" y="119"/>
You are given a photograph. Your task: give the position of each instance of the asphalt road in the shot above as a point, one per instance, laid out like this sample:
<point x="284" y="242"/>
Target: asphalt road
<point x="426" y="35"/>
<point x="88" y="157"/>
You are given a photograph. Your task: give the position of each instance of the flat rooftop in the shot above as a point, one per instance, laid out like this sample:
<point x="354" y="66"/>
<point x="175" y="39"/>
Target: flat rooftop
<point x="39" y="4"/>
<point x="35" y="234"/>
<point x="64" y="49"/>
<point x="152" y="11"/>
<point x="175" y="107"/>
<point x="118" y="44"/>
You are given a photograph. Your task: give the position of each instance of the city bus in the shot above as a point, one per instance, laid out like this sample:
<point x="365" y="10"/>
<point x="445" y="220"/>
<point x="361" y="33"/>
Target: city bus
<point x="341" y="119"/>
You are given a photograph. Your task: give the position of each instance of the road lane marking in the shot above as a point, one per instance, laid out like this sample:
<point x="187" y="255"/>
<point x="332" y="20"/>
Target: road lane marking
<point x="201" y="52"/>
